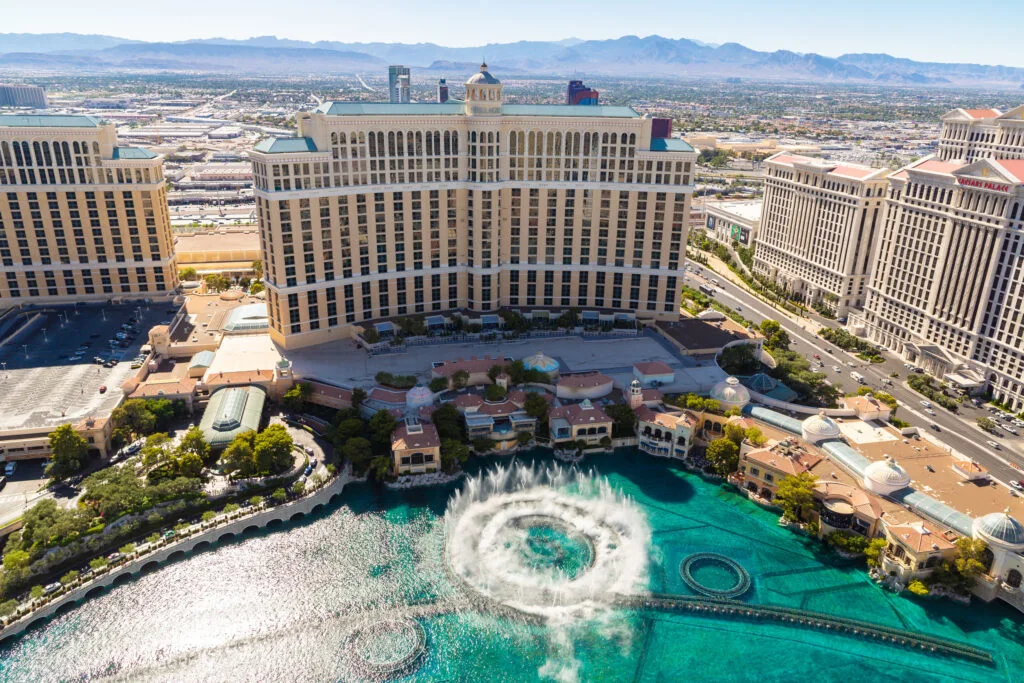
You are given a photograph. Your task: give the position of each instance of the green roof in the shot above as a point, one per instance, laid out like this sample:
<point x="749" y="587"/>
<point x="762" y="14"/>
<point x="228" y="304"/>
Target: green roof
<point x="459" y="108"/>
<point x="230" y="412"/>
<point x="47" y="121"/>
<point x="286" y="145"/>
<point x="133" y="153"/>
<point x="670" y="145"/>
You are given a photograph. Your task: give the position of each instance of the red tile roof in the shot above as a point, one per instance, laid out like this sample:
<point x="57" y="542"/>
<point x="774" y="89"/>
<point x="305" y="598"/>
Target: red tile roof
<point x="468" y="401"/>
<point x="654" y="367"/>
<point x="936" y="166"/>
<point x="982" y="113"/>
<point x="387" y="395"/>
<point x="472" y="365"/>
<point x="1014" y="166"/>
<point x="575" y="414"/>
<point x="584" y="381"/>
<point x="402" y="440"/>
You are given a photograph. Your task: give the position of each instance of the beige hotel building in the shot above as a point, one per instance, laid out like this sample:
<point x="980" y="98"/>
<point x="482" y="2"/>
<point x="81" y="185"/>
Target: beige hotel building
<point x="818" y="225"/>
<point x="385" y="210"/>
<point x="81" y="219"/>
<point x="972" y="134"/>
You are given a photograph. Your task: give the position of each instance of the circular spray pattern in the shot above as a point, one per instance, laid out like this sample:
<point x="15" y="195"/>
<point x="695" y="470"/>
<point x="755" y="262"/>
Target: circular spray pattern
<point x="390" y="648"/>
<point x="714" y="575"/>
<point x="546" y="541"/>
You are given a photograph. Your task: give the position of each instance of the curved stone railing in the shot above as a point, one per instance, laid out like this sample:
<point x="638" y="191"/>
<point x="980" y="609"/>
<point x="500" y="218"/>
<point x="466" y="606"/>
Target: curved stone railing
<point x="818" y="620"/>
<point x="264" y="517"/>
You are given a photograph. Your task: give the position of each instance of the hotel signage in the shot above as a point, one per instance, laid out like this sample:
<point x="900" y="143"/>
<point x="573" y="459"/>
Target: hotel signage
<point x="983" y="184"/>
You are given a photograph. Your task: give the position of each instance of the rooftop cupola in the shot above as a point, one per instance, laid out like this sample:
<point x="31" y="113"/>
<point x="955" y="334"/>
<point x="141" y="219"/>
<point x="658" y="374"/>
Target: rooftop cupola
<point x="483" y="94"/>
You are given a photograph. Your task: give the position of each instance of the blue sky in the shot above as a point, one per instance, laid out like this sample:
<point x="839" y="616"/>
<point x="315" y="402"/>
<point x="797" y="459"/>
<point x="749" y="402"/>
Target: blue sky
<point x="978" y="31"/>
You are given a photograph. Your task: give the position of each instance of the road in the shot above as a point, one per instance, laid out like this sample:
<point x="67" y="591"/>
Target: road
<point x="958" y="431"/>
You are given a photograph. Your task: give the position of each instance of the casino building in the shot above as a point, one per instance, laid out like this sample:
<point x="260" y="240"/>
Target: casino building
<point x="81" y="219"/>
<point x="972" y="134"/>
<point x="819" y="222"/>
<point x="948" y="287"/>
<point x="385" y="210"/>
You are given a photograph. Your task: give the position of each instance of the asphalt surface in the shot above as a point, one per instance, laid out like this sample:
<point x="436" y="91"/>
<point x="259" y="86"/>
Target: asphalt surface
<point x="959" y="431"/>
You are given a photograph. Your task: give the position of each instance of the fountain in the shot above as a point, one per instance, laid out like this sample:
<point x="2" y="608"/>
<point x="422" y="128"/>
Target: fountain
<point x="551" y="542"/>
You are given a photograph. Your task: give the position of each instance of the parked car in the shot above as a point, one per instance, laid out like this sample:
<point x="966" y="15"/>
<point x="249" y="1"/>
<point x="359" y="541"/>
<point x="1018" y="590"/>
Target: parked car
<point x="309" y="451"/>
<point x="1011" y="430"/>
<point x="1017" y="484"/>
<point x="52" y="588"/>
<point x="307" y="472"/>
<point x="114" y="557"/>
<point x="11" y="468"/>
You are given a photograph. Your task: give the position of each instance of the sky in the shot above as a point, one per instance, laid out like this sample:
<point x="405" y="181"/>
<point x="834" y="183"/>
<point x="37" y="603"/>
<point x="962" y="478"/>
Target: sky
<point x="982" y="31"/>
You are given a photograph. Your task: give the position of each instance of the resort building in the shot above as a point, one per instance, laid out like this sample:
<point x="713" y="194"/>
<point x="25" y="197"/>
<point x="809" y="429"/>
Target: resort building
<point x="972" y="134"/>
<point x="383" y="210"/>
<point x="230" y="412"/>
<point x="499" y="421"/>
<point x="16" y="95"/>
<point x="579" y="422"/>
<point x="948" y="285"/>
<point x="737" y="220"/>
<point x="761" y="469"/>
<point x="818" y="229"/>
<point x="81" y="219"/>
<point x="915" y="549"/>
<point x="842" y="507"/>
<point x="225" y="252"/>
<point x="415" y="448"/>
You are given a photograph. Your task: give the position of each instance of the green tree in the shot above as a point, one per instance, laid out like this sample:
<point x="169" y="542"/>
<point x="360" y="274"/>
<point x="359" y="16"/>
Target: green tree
<point x="295" y="398"/>
<point x="448" y="422"/>
<point x="348" y="429"/>
<point x="298" y="488"/>
<point x="279" y="496"/>
<point x="453" y="451"/>
<point x="740" y="359"/>
<point x="97" y="563"/>
<point x="494" y="393"/>
<point x="189" y="465"/>
<point x="536" y="406"/>
<point x="69" y="451"/>
<point x="735" y="433"/>
<point x="189" y="274"/>
<point x="257" y="269"/>
<point x="216" y="282"/>
<point x="239" y="456"/>
<point x="382" y="426"/>
<point x="482" y="445"/>
<point x="381" y="467"/>
<point x="873" y="553"/>
<point x="624" y="419"/>
<point x="917" y="587"/>
<point x="986" y="423"/>
<point x="194" y="442"/>
<point x="8" y="607"/>
<point x="460" y="379"/>
<point x="795" y="494"/>
<point x="256" y="501"/>
<point x="272" y="449"/>
<point x="970" y="559"/>
<point x="36" y="592"/>
<point x="358" y="451"/>
<point x="358" y="396"/>
<point x="438" y="384"/>
<point x="134" y="417"/>
<point x="209" y="516"/>
<point x="754" y="436"/>
<point x="775" y="338"/>
<point x="723" y="456"/>
<point x="69" y="578"/>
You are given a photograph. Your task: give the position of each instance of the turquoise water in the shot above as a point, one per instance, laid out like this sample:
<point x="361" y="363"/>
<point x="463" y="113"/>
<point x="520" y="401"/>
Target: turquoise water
<point x="278" y="606"/>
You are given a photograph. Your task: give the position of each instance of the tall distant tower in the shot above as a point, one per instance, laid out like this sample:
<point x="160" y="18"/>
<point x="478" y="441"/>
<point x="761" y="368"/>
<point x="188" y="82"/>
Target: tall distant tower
<point x="577" y="93"/>
<point x="442" y="91"/>
<point x="398" y="84"/>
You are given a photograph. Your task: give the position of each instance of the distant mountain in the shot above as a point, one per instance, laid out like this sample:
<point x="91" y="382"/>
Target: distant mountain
<point x="628" y="56"/>
<point x="57" y="42"/>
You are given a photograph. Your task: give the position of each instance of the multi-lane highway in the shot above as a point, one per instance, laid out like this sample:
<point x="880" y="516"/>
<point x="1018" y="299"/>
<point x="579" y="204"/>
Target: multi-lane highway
<point x="959" y="431"/>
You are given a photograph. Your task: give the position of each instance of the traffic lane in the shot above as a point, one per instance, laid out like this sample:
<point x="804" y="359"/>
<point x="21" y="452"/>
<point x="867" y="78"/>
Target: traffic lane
<point x="952" y="427"/>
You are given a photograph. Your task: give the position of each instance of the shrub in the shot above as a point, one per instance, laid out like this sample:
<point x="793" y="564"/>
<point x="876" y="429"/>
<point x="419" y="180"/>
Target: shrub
<point x="279" y="496"/>
<point x="209" y="516"/>
<point x="230" y="508"/>
<point x="97" y="563"/>
<point x="494" y="393"/>
<point x="256" y="501"/>
<point x="298" y="488"/>
<point x="69" y="578"/>
<point x="847" y="542"/>
<point x="127" y="549"/>
<point x="8" y="607"/>
<point x="152" y="538"/>
<point x="917" y="587"/>
<point x="438" y="384"/>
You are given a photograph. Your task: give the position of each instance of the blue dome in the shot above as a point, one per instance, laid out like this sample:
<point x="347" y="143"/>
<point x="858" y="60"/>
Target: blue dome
<point x="1001" y="528"/>
<point x="539" y="361"/>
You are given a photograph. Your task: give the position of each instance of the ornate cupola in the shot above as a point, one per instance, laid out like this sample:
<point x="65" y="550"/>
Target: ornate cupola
<point x="483" y="94"/>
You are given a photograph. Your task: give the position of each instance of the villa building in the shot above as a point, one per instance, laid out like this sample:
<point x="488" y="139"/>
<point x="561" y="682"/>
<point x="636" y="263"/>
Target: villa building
<point x="382" y="210"/>
<point x="579" y="422"/>
<point x="415" y="448"/>
<point x="818" y="228"/>
<point x="81" y="219"/>
<point x="914" y="550"/>
<point x="761" y="469"/>
<point x="499" y="421"/>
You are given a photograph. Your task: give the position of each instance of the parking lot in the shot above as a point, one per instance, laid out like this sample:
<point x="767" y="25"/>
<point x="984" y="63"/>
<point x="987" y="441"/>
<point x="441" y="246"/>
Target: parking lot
<point x="47" y="378"/>
<point x="22" y="490"/>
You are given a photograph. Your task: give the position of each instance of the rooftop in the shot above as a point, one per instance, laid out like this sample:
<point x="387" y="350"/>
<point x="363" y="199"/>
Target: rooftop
<point x="459" y="109"/>
<point x="749" y="210"/>
<point x="670" y="145"/>
<point x="404" y="439"/>
<point x="286" y="145"/>
<point x="48" y="121"/>
<point x="133" y="153"/>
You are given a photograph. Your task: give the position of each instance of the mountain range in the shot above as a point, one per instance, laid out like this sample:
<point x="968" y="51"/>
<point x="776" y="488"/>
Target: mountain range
<point x="628" y="56"/>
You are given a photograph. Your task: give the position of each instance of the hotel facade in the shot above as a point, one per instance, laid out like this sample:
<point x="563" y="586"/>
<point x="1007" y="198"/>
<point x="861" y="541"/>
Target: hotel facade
<point x="81" y="219"/>
<point x="972" y="134"/>
<point x="819" y="221"/>
<point x="381" y="210"/>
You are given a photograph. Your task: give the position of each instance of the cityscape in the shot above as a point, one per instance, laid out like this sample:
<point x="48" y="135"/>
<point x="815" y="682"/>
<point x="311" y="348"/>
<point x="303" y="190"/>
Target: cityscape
<point x="563" y="360"/>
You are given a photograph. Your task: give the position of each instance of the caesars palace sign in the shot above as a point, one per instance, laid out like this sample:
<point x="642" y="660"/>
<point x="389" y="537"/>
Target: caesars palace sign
<point x="983" y="184"/>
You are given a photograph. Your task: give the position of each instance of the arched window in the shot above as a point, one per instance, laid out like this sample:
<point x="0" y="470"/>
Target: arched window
<point x="1013" y="579"/>
<point x="373" y="145"/>
<point x="334" y="138"/>
<point x="67" y="154"/>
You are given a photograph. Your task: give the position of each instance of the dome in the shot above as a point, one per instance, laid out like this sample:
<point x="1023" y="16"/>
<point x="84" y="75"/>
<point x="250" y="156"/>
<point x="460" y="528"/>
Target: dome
<point x="635" y="384"/>
<point x="730" y="393"/>
<point x="483" y="78"/>
<point x="762" y="383"/>
<point x="885" y="477"/>
<point x="419" y="396"/>
<point x="1000" y="528"/>
<point x="539" y="361"/>
<point x="820" y="427"/>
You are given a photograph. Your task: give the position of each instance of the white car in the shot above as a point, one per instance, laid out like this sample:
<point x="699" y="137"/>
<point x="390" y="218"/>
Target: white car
<point x="1011" y="430"/>
<point x="926" y="404"/>
<point x="836" y="368"/>
<point x="929" y="411"/>
<point x="993" y="444"/>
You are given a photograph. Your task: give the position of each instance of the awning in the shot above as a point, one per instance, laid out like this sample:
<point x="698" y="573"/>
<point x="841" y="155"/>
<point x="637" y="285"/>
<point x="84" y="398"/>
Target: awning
<point x="384" y="327"/>
<point x="490" y="319"/>
<point x="963" y="382"/>
<point x="435" y="321"/>
<point x="591" y="315"/>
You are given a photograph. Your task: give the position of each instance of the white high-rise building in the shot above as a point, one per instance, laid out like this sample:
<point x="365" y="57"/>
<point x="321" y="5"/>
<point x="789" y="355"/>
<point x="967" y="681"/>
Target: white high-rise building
<point x="399" y="84"/>
<point x="818" y="225"/>
<point x="382" y="210"/>
<point x="971" y="134"/>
